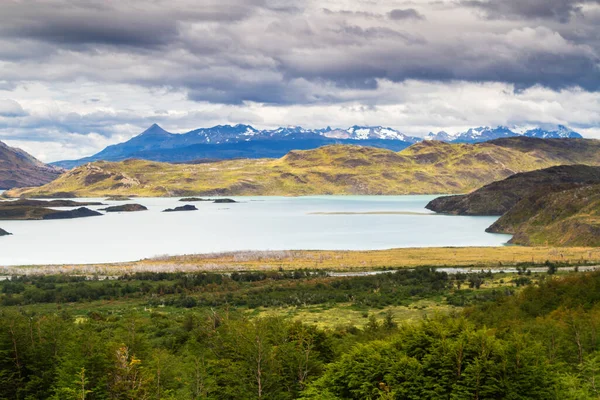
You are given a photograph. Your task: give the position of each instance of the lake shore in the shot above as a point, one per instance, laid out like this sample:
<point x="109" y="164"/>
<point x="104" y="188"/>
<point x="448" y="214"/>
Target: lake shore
<point x="477" y="257"/>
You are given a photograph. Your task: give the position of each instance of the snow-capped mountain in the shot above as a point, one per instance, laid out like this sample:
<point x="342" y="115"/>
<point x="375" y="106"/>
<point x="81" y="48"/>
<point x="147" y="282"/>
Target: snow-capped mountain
<point x="440" y="136"/>
<point x="223" y="133"/>
<point x="227" y="141"/>
<point x="291" y="132"/>
<point x="370" y="132"/>
<point x="483" y="134"/>
<point x="561" y="133"/>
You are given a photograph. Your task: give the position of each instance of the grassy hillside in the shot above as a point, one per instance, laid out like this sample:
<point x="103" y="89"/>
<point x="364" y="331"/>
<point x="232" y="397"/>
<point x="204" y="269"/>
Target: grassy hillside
<point x="424" y="168"/>
<point x="566" y="218"/>
<point x="498" y="197"/>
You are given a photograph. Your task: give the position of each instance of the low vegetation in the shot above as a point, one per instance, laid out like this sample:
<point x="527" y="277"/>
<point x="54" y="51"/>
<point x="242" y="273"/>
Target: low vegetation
<point x="213" y="336"/>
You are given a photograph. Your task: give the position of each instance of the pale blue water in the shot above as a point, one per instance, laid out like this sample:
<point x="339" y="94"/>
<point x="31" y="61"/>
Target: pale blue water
<point x="256" y="223"/>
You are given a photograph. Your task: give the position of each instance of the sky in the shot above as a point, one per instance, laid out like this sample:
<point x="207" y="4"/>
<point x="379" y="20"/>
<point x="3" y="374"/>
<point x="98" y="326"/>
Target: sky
<point x="78" y="75"/>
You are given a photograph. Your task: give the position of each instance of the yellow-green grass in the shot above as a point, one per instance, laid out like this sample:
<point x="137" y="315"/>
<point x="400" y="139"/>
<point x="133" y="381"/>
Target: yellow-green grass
<point x="342" y="315"/>
<point x="331" y="260"/>
<point x="424" y="168"/>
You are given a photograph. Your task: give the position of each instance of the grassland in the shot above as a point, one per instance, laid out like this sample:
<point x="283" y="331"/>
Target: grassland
<point x="477" y="257"/>
<point x="424" y="168"/>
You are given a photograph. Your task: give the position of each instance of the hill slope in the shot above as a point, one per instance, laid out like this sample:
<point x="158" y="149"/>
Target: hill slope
<point x="18" y="169"/>
<point x="565" y="218"/>
<point x="499" y="197"/>
<point x="425" y="168"/>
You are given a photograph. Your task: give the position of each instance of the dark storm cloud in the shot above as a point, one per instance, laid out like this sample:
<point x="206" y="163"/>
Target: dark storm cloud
<point x="408" y="13"/>
<point x="285" y="52"/>
<point x="560" y="10"/>
<point x="118" y="23"/>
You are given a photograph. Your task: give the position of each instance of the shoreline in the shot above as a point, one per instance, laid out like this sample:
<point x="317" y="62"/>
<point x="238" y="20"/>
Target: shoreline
<point x="334" y="260"/>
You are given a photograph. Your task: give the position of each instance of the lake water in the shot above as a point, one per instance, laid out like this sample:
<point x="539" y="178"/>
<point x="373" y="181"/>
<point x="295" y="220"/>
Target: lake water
<point x="255" y="223"/>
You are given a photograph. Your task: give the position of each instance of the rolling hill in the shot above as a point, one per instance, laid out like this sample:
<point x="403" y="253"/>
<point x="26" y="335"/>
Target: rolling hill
<point x="427" y="167"/>
<point x="556" y="206"/>
<point x="19" y="169"/>
<point x="498" y="197"/>
<point x="564" y="218"/>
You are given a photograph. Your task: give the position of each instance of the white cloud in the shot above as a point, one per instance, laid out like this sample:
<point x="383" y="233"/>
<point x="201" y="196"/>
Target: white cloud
<point x="75" y="78"/>
<point x="10" y="108"/>
<point x="72" y="121"/>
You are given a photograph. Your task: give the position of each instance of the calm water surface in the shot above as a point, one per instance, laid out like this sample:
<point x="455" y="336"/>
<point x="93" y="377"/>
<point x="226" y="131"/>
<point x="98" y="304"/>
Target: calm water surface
<point x="256" y="223"/>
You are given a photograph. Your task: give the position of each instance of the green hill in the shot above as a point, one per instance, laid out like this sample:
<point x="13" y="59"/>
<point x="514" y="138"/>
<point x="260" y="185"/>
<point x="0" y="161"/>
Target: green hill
<point x="564" y="218"/>
<point x="498" y="197"/>
<point x="424" y="168"/>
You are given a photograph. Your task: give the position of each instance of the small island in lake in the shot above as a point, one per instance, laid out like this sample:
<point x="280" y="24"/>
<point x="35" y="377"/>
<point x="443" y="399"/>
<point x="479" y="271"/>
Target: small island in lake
<point x="39" y="209"/>
<point x="118" y="198"/>
<point x="220" y="201"/>
<point x="4" y="233"/>
<point x="125" y="208"/>
<point x="187" y="207"/>
<point x="194" y="199"/>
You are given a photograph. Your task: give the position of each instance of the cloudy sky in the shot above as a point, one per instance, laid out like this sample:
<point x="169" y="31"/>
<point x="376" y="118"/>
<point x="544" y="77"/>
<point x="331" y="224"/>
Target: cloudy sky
<point x="78" y="75"/>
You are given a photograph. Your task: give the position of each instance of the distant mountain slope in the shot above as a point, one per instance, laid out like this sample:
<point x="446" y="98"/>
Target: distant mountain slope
<point x="18" y="169"/>
<point x="240" y="141"/>
<point x="486" y="133"/>
<point x="427" y="167"/>
<point x="565" y="218"/>
<point x="226" y="141"/>
<point x="499" y="197"/>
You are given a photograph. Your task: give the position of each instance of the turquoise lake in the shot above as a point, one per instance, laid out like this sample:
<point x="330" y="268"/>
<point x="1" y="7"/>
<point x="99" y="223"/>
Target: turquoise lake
<point x="255" y="223"/>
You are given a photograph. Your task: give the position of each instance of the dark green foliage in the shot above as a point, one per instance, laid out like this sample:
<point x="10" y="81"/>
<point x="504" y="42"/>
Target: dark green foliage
<point x="250" y="289"/>
<point x="538" y="343"/>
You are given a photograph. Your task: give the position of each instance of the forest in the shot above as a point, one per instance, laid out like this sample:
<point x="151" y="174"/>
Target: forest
<point x="195" y="336"/>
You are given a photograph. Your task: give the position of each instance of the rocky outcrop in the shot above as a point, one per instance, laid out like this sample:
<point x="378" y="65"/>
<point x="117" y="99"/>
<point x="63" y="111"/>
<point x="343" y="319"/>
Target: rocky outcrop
<point x="4" y="233"/>
<point x="49" y="203"/>
<point x="226" y="201"/>
<point x="187" y="207"/>
<point x="125" y="208"/>
<point x="190" y="199"/>
<point x="38" y="213"/>
<point x="77" y="213"/>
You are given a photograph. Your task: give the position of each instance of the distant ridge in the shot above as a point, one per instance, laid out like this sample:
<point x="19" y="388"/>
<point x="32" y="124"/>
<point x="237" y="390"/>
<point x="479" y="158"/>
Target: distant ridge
<point x="427" y="167"/>
<point x="19" y="169"/>
<point x="245" y="141"/>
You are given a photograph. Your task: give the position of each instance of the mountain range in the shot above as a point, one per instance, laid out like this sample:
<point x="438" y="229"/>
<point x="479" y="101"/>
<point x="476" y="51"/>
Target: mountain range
<point x="427" y="167"/>
<point x="244" y="141"/>
<point x="18" y="169"/>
